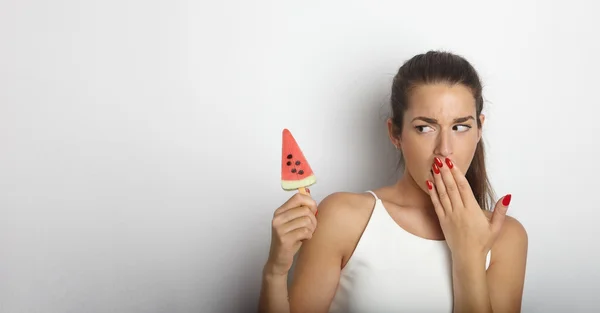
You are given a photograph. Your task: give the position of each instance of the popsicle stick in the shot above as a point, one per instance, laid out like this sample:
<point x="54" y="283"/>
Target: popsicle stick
<point x="303" y="191"/>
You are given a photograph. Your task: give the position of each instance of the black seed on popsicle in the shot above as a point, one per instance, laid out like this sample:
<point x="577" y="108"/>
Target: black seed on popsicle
<point x="289" y="163"/>
<point x="301" y="172"/>
<point x="297" y="162"/>
<point x="289" y="156"/>
<point x="293" y="170"/>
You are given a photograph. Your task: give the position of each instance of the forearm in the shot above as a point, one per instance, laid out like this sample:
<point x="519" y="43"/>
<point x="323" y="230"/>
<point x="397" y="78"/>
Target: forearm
<point x="470" y="286"/>
<point x="273" y="294"/>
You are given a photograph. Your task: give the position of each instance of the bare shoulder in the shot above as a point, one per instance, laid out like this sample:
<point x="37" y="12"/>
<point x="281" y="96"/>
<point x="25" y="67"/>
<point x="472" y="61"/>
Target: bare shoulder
<point x="512" y="240"/>
<point x="344" y="213"/>
<point x="341" y="218"/>
<point x="346" y="203"/>
<point x="512" y="230"/>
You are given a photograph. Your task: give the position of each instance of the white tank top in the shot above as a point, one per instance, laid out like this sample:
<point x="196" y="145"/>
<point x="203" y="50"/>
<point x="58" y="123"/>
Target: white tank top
<point x="392" y="270"/>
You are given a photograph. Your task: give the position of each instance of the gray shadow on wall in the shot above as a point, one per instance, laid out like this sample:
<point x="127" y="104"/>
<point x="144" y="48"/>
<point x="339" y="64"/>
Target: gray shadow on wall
<point x="377" y="159"/>
<point x="373" y="155"/>
<point x="381" y="161"/>
<point x="378" y="164"/>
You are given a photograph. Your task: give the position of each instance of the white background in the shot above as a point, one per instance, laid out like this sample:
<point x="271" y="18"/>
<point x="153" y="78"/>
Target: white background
<point x="140" y="140"/>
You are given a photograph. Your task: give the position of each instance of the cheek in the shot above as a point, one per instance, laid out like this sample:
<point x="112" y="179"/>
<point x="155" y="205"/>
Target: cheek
<point x="465" y="151"/>
<point x="417" y="151"/>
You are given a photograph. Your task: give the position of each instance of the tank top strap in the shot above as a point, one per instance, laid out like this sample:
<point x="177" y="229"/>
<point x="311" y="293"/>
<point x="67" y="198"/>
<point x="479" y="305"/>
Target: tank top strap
<point x="374" y="195"/>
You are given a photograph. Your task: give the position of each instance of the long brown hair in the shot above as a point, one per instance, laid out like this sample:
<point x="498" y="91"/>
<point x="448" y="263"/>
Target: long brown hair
<point x="444" y="67"/>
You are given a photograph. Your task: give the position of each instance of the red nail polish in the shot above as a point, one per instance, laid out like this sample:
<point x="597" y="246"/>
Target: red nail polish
<point x="436" y="169"/>
<point x="506" y="200"/>
<point x="429" y="185"/>
<point x="450" y="165"/>
<point x="438" y="162"/>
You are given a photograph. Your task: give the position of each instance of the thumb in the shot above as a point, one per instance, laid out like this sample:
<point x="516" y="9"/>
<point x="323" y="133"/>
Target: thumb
<point x="499" y="214"/>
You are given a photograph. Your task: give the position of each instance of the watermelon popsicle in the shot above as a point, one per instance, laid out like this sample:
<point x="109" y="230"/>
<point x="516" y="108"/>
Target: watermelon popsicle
<point x="296" y="173"/>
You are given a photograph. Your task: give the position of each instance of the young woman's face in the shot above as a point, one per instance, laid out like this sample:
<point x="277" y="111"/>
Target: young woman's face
<point x="440" y="122"/>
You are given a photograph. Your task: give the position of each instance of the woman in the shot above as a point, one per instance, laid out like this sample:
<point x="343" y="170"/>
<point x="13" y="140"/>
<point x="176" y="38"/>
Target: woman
<point x="428" y="243"/>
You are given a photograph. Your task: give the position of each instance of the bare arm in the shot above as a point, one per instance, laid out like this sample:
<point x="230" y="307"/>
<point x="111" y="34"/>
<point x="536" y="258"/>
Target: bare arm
<point x="273" y="293"/>
<point x="500" y="289"/>
<point x="293" y="224"/>
<point x="470" y="285"/>
<point x="319" y="263"/>
<point x="506" y="274"/>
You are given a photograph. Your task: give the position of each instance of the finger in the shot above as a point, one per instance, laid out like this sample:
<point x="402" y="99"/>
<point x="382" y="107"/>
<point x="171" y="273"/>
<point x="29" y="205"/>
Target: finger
<point x="440" y="188"/>
<point x="450" y="184"/>
<point x="439" y="209"/>
<point x="298" y="234"/>
<point x="302" y="221"/>
<point x="292" y="214"/>
<point x="295" y="201"/>
<point x="464" y="188"/>
<point x="499" y="214"/>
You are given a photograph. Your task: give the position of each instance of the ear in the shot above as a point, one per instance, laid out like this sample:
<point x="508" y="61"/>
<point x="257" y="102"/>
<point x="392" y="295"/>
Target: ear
<point x="390" y="126"/>
<point x="480" y="130"/>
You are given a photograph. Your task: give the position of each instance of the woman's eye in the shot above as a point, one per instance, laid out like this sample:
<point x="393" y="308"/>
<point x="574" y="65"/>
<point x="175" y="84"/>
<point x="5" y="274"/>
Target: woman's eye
<point x="424" y="128"/>
<point x="461" y="128"/>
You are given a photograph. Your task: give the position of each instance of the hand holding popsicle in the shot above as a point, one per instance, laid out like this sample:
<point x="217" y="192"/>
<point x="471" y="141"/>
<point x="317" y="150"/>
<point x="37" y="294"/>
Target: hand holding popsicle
<point x="293" y="223"/>
<point x="295" y="220"/>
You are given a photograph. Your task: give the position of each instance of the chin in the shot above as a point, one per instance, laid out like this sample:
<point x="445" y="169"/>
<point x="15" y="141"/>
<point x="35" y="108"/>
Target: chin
<point x="422" y="183"/>
<point x="421" y="180"/>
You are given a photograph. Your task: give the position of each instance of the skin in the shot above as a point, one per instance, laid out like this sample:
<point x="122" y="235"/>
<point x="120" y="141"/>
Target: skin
<point x="448" y="212"/>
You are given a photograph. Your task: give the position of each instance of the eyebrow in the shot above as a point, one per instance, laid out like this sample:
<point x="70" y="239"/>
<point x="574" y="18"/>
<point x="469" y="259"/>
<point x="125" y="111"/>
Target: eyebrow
<point x="434" y="121"/>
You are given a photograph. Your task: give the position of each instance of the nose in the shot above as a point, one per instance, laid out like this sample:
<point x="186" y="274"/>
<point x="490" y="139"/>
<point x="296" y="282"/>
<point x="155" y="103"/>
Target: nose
<point x="443" y="146"/>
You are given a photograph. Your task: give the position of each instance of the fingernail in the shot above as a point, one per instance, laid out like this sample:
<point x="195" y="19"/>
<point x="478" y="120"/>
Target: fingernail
<point x="436" y="169"/>
<point x="429" y="185"/>
<point x="316" y="212"/>
<point x="308" y="191"/>
<point x="450" y="165"/>
<point x="438" y="162"/>
<point x="506" y="200"/>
